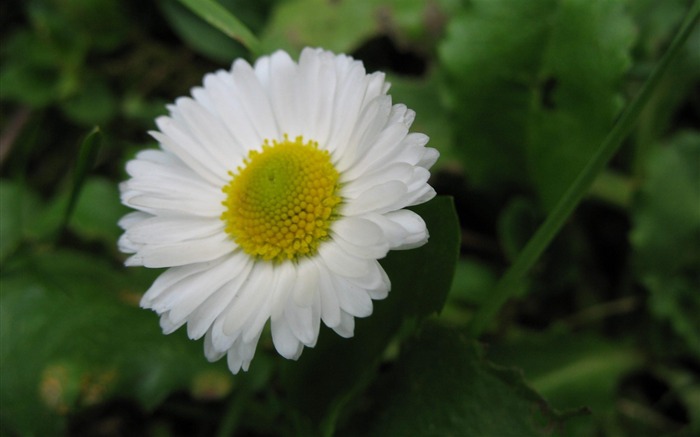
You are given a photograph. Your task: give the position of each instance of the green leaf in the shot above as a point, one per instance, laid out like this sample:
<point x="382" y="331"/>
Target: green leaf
<point x="666" y="232"/>
<point x="570" y="370"/>
<point x="86" y="160"/>
<point x="532" y="106"/>
<point x="337" y="26"/>
<point x="30" y="74"/>
<point x="583" y="181"/>
<point x="219" y="17"/>
<point x="73" y="336"/>
<point x="98" y="24"/>
<point x="442" y="386"/>
<point x="342" y="26"/>
<point x="18" y="206"/>
<point x="93" y="103"/>
<point x="516" y="224"/>
<point x="199" y="34"/>
<point x="472" y="281"/>
<point x="97" y="212"/>
<point x="327" y="376"/>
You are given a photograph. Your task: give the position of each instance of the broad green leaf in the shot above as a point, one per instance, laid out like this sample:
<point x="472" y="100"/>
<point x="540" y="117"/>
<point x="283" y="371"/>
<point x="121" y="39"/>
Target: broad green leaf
<point x="327" y="376"/>
<point x="666" y="232"/>
<point x="97" y="212"/>
<point x="73" y="336"/>
<point x="199" y="34"/>
<point x="222" y="19"/>
<point x="584" y="179"/>
<point x="472" y="281"/>
<point x="92" y="103"/>
<point x="656" y="22"/>
<point x="570" y="370"/>
<point x="98" y="24"/>
<point x="337" y="26"/>
<point x="442" y="386"/>
<point x="18" y="206"/>
<point x="342" y="26"/>
<point x="30" y="74"/>
<point x="534" y="87"/>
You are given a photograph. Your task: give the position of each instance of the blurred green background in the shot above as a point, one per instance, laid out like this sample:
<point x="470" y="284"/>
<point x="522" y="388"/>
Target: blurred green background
<point x="603" y="338"/>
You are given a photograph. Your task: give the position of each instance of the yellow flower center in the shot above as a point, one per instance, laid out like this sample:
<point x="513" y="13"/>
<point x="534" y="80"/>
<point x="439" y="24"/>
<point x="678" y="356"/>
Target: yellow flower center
<point x="281" y="202"/>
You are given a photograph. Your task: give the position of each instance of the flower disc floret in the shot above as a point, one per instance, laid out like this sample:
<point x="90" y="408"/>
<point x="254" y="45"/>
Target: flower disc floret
<point x="282" y="201"/>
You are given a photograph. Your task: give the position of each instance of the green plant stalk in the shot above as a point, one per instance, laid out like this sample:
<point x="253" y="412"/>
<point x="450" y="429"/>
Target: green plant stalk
<point x="581" y="185"/>
<point x="86" y="160"/>
<point x="219" y="17"/>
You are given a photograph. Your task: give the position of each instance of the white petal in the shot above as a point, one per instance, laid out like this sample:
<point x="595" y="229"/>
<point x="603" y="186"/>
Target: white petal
<point x="227" y="105"/>
<point x="398" y="171"/>
<point x="341" y="262"/>
<point x="360" y="237"/>
<point x="174" y="139"/>
<point x="346" y="327"/>
<point x="181" y="253"/>
<point x="317" y="87"/>
<point x="301" y="321"/>
<point x="281" y="282"/>
<point x="209" y="311"/>
<point x="133" y="218"/>
<point x="307" y="283"/>
<point x="330" y="307"/>
<point x="210" y="352"/>
<point x="283" y="85"/>
<point x="381" y="148"/>
<point x="250" y="299"/>
<point x="196" y="289"/>
<point x="167" y="325"/>
<point x="352" y="299"/>
<point x="254" y="100"/>
<point x="169" y="278"/>
<point x="380" y="199"/>
<point x="416" y="232"/>
<point x="368" y="127"/>
<point x="164" y="230"/>
<point x="286" y="343"/>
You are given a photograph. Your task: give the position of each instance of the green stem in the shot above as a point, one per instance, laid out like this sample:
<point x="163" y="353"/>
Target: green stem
<point x="580" y="187"/>
<point x="86" y="160"/>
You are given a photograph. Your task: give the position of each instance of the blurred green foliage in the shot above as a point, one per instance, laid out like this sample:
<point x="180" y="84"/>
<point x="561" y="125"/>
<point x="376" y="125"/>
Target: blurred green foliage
<point x="515" y="94"/>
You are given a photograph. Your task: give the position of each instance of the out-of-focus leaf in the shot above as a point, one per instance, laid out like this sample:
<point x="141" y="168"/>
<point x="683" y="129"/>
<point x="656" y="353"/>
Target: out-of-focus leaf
<point x="516" y="224"/>
<point x="31" y="72"/>
<point x="657" y="21"/>
<point x="73" y="335"/>
<point x="18" y="206"/>
<point x="93" y="103"/>
<point x="328" y="375"/>
<point x="666" y="235"/>
<point x="342" y="26"/>
<point x="87" y="156"/>
<point x="99" y="24"/>
<point x="442" y="386"/>
<point x="532" y="106"/>
<point x="224" y="20"/>
<point x="569" y="370"/>
<point x="97" y="212"/>
<point x="199" y="34"/>
<point x="472" y="281"/>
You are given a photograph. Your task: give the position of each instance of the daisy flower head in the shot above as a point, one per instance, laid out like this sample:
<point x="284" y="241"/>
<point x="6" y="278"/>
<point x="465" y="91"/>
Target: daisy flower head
<point x="276" y="189"/>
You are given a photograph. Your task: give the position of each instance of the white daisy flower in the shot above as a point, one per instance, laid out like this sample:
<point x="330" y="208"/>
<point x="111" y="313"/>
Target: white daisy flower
<point x="275" y="191"/>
